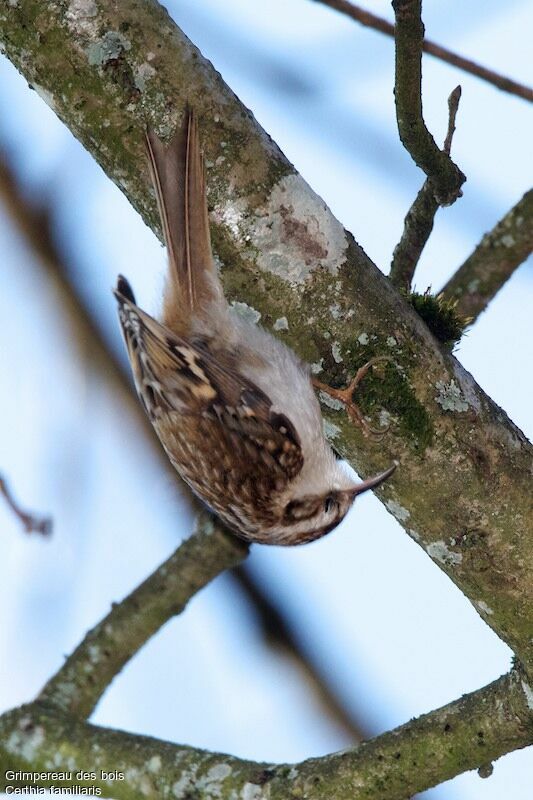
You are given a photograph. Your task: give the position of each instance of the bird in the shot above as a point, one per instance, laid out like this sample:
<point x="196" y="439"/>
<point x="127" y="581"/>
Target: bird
<point x="233" y="406"/>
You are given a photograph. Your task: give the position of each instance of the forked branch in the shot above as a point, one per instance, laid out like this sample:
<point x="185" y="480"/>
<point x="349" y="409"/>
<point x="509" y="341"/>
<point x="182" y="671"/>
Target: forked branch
<point x="445" y="177"/>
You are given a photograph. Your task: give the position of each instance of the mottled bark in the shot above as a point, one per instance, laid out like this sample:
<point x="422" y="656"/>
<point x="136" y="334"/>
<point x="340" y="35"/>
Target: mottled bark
<point x="494" y="260"/>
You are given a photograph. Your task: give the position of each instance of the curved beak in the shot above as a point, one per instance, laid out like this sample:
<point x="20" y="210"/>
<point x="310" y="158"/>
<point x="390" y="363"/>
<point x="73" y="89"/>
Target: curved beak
<point x="371" y="483"/>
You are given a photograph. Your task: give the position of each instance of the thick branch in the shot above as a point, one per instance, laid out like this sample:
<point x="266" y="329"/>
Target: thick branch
<point x="462" y="490"/>
<point x="494" y="260"/>
<point x="419" y="219"/>
<point x="87" y="673"/>
<point x="446" y="178"/>
<point x="383" y="26"/>
<point x="466" y="734"/>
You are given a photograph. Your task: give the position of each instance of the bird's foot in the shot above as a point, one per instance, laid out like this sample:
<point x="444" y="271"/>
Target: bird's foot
<point x="345" y="396"/>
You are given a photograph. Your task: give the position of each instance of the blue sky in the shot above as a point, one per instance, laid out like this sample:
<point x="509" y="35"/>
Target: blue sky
<point x="397" y="637"/>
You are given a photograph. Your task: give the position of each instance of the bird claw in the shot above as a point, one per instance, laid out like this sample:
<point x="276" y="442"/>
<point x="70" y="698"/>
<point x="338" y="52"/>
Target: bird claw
<point x="345" y="396"/>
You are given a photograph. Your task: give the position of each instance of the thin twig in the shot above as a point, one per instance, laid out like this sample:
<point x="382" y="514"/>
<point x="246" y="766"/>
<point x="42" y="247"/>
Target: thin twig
<point x="370" y="20"/>
<point x="419" y="220"/>
<point x="86" y="674"/>
<point x="494" y="260"/>
<point x="446" y="178"/>
<point x="453" y="106"/>
<point x="32" y="523"/>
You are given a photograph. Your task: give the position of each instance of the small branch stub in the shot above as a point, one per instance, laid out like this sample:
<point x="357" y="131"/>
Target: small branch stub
<point x="419" y="220"/>
<point x="32" y="523"/>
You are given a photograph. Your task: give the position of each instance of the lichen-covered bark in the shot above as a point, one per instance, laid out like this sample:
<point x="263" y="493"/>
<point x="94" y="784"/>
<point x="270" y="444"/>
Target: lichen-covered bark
<point x="494" y="260"/>
<point x="466" y="734"/>
<point x="463" y="487"/>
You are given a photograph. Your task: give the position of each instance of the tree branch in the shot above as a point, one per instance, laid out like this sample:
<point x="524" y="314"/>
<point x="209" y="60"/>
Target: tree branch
<point x="466" y="734"/>
<point x="370" y="20"/>
<point x="446" y="178"/>
<point x="418" y="222"/>
<point x="30" y="522"/>
<point x="462" y="490"/>
<point x="86" y="674"/>
<point x="494" y="260"/>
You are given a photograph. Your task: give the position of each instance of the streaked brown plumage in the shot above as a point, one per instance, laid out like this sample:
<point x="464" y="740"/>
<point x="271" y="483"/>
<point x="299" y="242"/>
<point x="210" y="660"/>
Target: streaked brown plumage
<point x="233" y="407"/>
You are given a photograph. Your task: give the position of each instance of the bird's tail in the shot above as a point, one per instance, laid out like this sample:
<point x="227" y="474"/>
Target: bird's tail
<point x="178" y="176"/>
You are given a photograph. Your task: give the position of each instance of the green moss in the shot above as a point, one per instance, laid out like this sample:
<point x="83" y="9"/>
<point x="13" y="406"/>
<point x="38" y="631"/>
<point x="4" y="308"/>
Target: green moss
<point x="385" y="386"/>
<point x="441" y="316"/>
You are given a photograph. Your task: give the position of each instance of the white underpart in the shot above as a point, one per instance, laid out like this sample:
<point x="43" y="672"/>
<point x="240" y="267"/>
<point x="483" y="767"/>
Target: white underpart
<point x="285" y="380"/>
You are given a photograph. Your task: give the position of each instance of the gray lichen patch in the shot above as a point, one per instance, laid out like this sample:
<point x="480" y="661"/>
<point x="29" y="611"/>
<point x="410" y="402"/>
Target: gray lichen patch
<point x="508" y="240"/>
<point x="331" y="402"/>
<point x="384" y="417"/>
<point x="331" y="431"/>
<point x="45" y="95"/>
<point x="281" y="324"/>
<point x="107" y="48"/>
<point x="142" y="74"/>
<point x="336" y="353"/>
<point x="363" y="339"/>
<point x="211" y="784"/>
<point x="185" y="784"/>
<point x="449" y="397"/>
<point x="295" y="233"/>
<point x="26" y="741"/>
<point x="246" y="312"/>
<point x="80" y="16"/>
<point x="251" y="791"/>
<point x="94" y="654"/>
<point x="154" y="764"/>
<point x="528" y="691"/>
<point x="440" y="552"/>
<point x="336" y="311"/>
<point x="483" y="607"/>
<point x="402" y="514"/>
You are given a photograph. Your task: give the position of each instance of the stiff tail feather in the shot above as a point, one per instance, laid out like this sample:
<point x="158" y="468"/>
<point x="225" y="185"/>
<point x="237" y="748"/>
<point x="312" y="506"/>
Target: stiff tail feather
<point x="178" y="176"/>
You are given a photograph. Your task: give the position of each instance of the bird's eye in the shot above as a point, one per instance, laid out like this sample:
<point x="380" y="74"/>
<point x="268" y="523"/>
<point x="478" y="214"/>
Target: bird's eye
<point x="329" y="504"/>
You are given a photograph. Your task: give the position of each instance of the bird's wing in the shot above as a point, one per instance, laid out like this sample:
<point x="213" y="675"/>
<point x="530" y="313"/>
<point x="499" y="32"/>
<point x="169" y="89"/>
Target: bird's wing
<point x="174" y="374"/>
